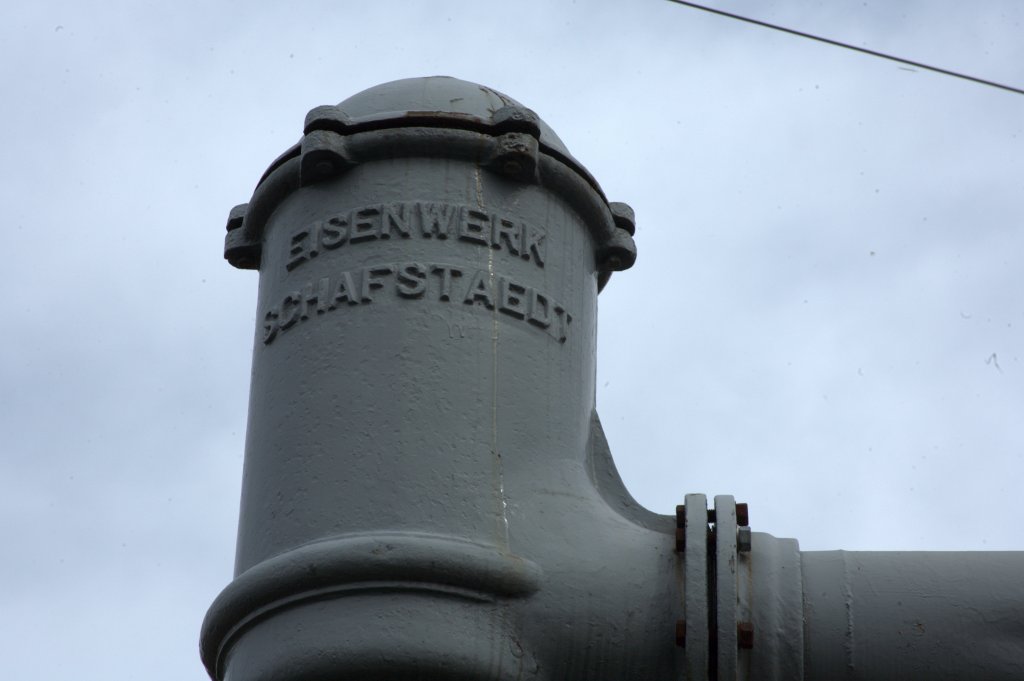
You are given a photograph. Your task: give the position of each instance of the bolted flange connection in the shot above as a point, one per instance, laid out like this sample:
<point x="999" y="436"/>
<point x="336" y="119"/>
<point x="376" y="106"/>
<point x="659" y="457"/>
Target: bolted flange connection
<point x="428" y="489"/>
<point x="742" y="531"/>
<point x="715" y="545"/>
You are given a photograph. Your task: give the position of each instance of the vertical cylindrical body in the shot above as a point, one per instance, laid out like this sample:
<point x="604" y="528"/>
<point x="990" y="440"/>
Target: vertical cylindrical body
<point x="427" y="491"/>
<point x="444" y="325"/>
<point x="422" y="436"/>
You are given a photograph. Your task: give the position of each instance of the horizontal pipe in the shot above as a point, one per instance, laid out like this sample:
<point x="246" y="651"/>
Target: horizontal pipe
<point x="875" y="616"/>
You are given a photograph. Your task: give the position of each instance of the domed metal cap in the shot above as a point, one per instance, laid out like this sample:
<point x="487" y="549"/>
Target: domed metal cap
<point x="439" y="116"/>
<point x="445" y="97"/>
<point x="444" y="102"/>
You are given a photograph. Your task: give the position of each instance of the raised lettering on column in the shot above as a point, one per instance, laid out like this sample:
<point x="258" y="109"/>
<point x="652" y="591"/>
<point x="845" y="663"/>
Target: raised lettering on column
<point x="447" y="272"/>
<point x="411" y="280"/>
<point x="371" y="280"/>
<point x="301" y="248"/>
<point x="539" y="310"/>
<point x="289" y="314"/>
<point x="508" y="233"/>
<point x="345" y="290"/>
<point x="533" y="242"/>
<point x="396" y="217"/>
<point x="474" y="226"/>
<point x="320" y="296"/>
<point x="511" y="298"/>
<point x="334" y="232"/>
<point x="480" y="290"/>
<point x="365" y="224"/>
<point x="437" y="219"/>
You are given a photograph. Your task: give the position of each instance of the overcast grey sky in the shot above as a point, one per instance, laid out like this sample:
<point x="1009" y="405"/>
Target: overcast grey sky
<point x="825" y="318"/>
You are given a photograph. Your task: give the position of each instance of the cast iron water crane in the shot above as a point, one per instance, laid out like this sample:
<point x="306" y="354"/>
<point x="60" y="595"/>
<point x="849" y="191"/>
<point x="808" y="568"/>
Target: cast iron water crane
<point x="427" y="491"/>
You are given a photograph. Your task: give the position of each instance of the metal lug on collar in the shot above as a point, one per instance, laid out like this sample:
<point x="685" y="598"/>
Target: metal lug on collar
<point x="624" y="216"/>
<point x="237" y="216"/>
<point x="618" y="252"/>
<point x="516" y="119"/>
<point x="743" y="540"/>
<point x="326" y="117"/>
<point x="324" y="155"/>
<point x="515" y="156"/>
<point x="240" y="251"/>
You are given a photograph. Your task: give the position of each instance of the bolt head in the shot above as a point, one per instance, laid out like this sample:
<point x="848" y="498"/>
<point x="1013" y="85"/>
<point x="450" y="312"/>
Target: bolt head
<point x="745" y="635"/>
<point x="742" y="515"/>
<point x="743" y="540"/>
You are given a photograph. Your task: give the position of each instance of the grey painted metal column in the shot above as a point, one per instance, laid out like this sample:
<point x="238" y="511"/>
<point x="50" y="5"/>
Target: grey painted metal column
<point x="427" y="491"/>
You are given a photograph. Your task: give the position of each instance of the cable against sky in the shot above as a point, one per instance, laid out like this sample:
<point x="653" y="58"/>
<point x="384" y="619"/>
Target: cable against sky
<point x="836" y="43"/>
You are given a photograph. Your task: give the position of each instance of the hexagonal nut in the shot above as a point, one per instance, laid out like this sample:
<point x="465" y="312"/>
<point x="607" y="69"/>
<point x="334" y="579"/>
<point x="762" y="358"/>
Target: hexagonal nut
<point x="515" y="156"/>
<point x="743" y="540"/>
<point x="745" y="635"/>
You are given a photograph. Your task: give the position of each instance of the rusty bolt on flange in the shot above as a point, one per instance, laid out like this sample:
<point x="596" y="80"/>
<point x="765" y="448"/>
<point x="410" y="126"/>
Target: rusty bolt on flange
<point x="745" y="635"/>
<point x="680" y="528"/>
<point x="742" y="515"/>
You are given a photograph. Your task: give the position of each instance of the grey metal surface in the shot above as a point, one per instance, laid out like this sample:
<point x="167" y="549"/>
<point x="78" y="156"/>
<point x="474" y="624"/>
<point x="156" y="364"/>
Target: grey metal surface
<point x="427" y="490"/>
<point x="442" y="95"/>
<point x="776" y="609"/>
<point x="695" y="588"/>
<point x="943" y="616"/>
<point x="436" y="117"/>
<point x="726" y="587"/>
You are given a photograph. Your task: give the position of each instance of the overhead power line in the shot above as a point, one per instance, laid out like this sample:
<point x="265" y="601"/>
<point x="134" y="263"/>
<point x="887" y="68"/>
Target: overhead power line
<point x="847" y="46"/>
